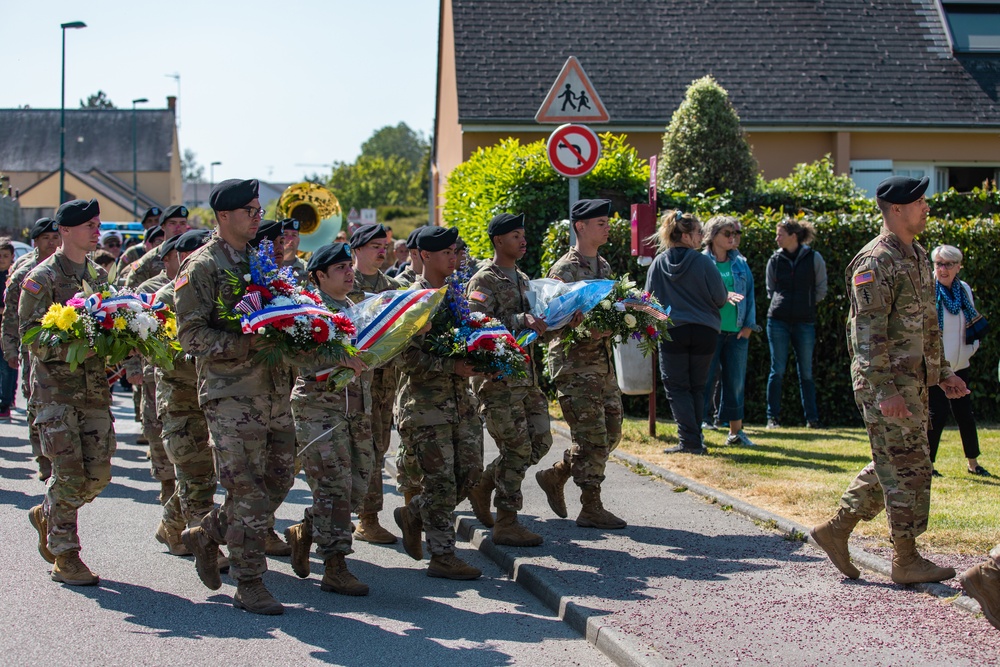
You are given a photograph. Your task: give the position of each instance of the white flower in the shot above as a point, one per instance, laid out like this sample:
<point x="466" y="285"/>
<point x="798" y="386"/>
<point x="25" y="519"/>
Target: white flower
<point x="143" y="324"/>
<point x="582" y="331"/>
<point x="605" y="304"/>
<point x="246" y="277"/>
<point x="630" y="320"/>
<point x="282" y="301"/>
<point x="619" y="306"/>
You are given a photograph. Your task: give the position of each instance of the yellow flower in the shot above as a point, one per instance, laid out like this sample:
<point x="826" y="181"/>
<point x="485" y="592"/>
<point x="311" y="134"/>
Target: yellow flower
<point x="170" y="328"/>
<point x="49" y="319"/>
<point x="67" y="318"/>
<point x="120" y="323"/>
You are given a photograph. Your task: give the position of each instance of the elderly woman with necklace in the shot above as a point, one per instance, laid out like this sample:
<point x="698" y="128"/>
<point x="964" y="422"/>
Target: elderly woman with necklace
<point x="955" y="310"/>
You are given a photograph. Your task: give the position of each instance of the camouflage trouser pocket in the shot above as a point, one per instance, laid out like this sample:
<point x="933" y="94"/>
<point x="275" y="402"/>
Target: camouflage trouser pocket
<point x="55" y="431"/>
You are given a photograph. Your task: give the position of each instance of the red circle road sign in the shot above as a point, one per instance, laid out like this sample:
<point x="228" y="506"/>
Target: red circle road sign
<point x="573" y="150"/>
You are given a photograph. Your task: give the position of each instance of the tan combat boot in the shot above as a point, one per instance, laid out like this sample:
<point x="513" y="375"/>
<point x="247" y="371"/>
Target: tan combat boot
<point x="909" y="567"/>
<point x="167" y="488"/>
<point x="481" y="497"/>
<point x="408" y="496"/>
<point x="372" y="531"/>
<point x="69" y="569"/>
<point x="274" y="545"/>
<point x="832" y="538"/>
<point x="450" y="566"/>
<point x="593" y="514"/>
<point x="38" y="521"/>
<point x="300" y="540"/>
<point x="254" y="597"/>
<point x="172" y="539"/>
<point x="410" y="524"/>
<point x="552" y="481"/>
<point x="206" y="556"/>
<point x="338" y="579"/>
<point x="509" y="532"/>
<point x="982" y="584"/>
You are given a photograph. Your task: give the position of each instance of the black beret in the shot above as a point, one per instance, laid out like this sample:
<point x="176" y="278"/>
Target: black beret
<point x="332" y="253"/>
<point x="192" y="239"/>
<point x="41" y="226"/>
<point x="901" y="189"/>
<point x="289" y="223"/>
<point x="504" y="223"/>
<point x="169" y="245"/>
<point x="365" y="234"/>
<point x="585" y="209"/>
<point x="152" y="233"/>
<point x="232" y="194"/>
<point x="269" y="229"/>
<point x="434" y="238"/>
<point x="75" y="213"/>
<point x="151" y="212"/>
<point x="411" y="240"/>
<point x="176" y="211"/>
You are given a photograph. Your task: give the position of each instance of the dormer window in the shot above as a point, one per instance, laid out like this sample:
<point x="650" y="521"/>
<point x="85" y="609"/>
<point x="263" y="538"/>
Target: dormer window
<point x="974" y="25"/>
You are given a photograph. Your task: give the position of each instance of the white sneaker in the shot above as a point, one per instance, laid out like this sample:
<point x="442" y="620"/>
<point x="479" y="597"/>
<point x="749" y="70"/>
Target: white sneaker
<point x="740" y="440"/>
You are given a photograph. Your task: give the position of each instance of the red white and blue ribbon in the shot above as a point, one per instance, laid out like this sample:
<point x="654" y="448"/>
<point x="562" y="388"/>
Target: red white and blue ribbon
<point x="479" y="336"/>
<point x="101" y="307"/>
<point x="270" y="314"/>
<point x="648" y="308"/>
<point x="389" y="316"/>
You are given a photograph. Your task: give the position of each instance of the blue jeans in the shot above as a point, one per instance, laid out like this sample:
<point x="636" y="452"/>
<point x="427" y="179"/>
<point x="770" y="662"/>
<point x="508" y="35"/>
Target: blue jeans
<point x="731" y="353"/>
<point x="8" y="385"/>
<point x="802" y="337"/>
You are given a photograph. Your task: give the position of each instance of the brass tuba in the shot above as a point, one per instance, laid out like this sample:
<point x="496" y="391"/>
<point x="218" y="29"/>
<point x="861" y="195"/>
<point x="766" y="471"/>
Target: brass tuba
<point x="317" y="210"/>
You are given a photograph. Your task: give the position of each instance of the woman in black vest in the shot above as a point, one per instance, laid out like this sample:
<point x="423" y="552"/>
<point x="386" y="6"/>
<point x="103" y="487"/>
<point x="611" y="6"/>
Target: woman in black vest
<point x="796" y="282"/>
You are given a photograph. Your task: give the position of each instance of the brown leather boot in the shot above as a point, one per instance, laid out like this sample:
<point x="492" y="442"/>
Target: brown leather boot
<point x="300" y="541"/>
<point x="481" y="497"/>
<point x="172" y="539"/>
<point x="593" y="514"/>
<point x="275" y="546"/>
<point x="450" y="566"/>
<point x="372" y="531"/>
<point x="167" y="488"/>
<point x="41" y="524"/>
<point x="982" y="584"/>
<point x="69" y="569"/>
<point x="254" y="597"/>
<point x="338" y="579"/>
<point x="410" y="524"/>
<point x="552" y="481"/>
<point x="408" y="496"/>
<point x="909" y="567"/>
<point x="509" y="532"/>
<point x="206" y="556"/>
<point x="832" y="537"/>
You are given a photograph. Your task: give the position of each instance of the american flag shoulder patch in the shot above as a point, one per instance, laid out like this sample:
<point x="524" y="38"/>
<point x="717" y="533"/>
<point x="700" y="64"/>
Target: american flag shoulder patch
<point x="478" y="296"/>
<point x="863" y="278"/>
<point x="30" y="285"/>
<point x="180" y="282"/>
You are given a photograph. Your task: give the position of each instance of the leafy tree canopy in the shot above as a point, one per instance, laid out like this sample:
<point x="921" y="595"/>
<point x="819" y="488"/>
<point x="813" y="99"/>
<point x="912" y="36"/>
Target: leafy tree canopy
<point x="97" y="101"/>
<point x="191" y="171"/>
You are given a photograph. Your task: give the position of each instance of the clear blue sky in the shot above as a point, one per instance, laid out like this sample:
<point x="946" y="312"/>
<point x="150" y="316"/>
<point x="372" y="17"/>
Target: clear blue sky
<point x="264" y="85"/>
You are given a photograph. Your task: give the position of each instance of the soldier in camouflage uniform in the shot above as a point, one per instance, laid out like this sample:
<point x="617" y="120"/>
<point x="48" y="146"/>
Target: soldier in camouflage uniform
<point x="896" y="354"/>
<point x="45" y="237"/>
<point x="982" y="583"/>
<point x="437" y="417"/>
<point x="246" y="403"/>
<point x="337" y="447"/>
<point x="173" y="222"/>
<point x="150" y="219"/>
<point x="585" y="379"/>
<point x="74" y="407"/>
<point x="368" y="246"/>
<point x="290" y="234"/>
<point x="517" y="414"/>
<point x="415" y="266"/>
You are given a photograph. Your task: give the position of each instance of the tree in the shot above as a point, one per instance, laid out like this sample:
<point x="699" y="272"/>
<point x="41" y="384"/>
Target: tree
<point x="97" y="101"/>
<point x="704" y="147"/>
<point x="399" y="141"/>
<point x="376" y="181"/>
<point x="191" y="171"/>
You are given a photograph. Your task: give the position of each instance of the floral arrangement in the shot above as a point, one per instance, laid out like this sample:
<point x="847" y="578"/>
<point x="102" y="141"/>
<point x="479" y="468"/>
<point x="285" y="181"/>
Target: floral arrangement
<point x="626" y="312"/>
<point x="113" y="323"/>
<point x="290" y="319"/>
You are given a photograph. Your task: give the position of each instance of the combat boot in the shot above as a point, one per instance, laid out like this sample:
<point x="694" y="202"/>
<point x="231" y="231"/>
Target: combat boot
<point x="411" y="526"/>
<point x="982" y="584"/>
<point x="372" y="531"/>
<point x="38" y="521"/>
<point x="509" y="532"/>
<point x="274" y="545"/>
<point x="206" y="556"/>
<point x="450" y="566"/>
<point x="593" y="514"/>
<point x="408" y="496"/>
<point x="70" y="570"/>
<point x="338" y="579"/>
<point x="300" y="541"/>
<point x="480" y="497"/>
<point x="909" y="567"/>
<point x="254" y="597"/>
<point x="832" y="538"/>
<point x="167" y="488"/>
<point x="552" y="481"/>
<point x="172" y="539"/>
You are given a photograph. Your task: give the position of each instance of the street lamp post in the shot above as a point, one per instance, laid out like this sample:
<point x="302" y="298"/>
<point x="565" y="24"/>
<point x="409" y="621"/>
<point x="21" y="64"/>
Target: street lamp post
<point x="211" y="177"/>
<point x="135" y="160"/>
<point x="62" y="111"/>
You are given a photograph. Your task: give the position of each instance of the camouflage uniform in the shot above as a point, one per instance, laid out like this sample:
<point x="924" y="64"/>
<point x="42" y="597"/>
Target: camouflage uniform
<point x="131" y="254"/>
<point x="142" y="269"/>
<point x="586" y="385"/>
<point x="406" y="277"/>
<point x="334" y="431"/>
<point x="299" y="270"/>
<point x="383" y="389"/>
<point x="516" y="412"/>
<point x="246" y="405"/>
<point x="896" y="349"/>
<point x="438" y="416"/>
<point x="73" y="407"/>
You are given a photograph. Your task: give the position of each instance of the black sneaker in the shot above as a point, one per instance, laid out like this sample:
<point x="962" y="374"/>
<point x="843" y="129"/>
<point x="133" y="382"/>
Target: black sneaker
<point x="981" y="471"/>
<point x="680" y="449"/>
<point x="935" y="473"/>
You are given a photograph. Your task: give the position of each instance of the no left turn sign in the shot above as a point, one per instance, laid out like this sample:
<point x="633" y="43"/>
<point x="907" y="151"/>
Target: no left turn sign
<point x="573" y="150"/>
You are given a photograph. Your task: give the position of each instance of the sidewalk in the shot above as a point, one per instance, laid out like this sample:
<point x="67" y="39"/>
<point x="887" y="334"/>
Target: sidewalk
<point x="698" y="583"/>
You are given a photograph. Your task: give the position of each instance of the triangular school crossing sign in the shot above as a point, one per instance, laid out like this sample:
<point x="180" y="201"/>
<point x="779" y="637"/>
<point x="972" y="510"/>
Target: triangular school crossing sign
<point x="572" y="98"/>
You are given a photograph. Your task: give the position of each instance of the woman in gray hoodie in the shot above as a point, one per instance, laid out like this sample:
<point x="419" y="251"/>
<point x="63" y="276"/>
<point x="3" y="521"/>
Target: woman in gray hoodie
<point x="687" y="281"/>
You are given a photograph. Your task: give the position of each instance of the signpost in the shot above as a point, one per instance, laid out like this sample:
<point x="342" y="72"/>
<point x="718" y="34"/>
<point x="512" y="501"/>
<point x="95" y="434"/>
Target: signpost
<point x="573" y="151"/>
